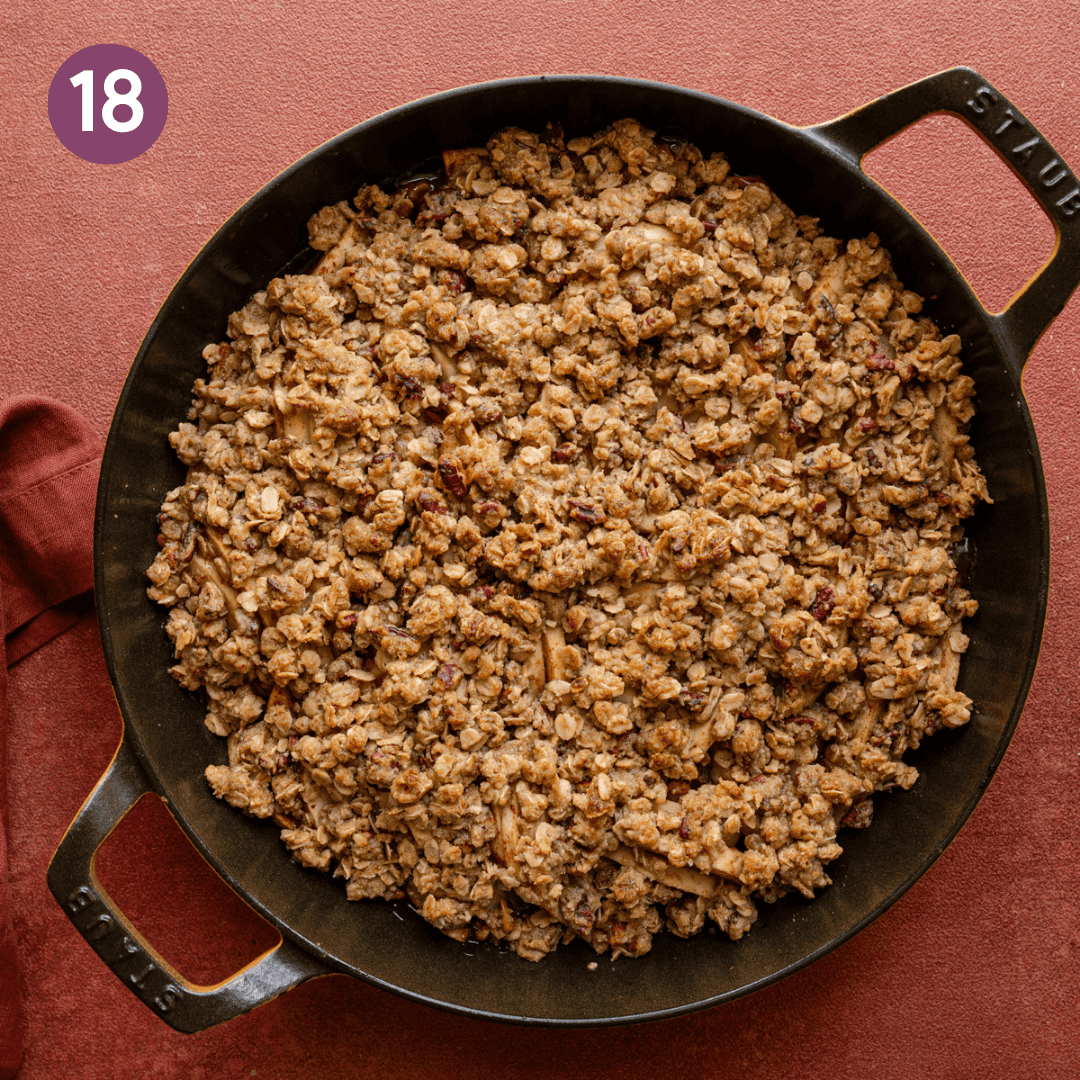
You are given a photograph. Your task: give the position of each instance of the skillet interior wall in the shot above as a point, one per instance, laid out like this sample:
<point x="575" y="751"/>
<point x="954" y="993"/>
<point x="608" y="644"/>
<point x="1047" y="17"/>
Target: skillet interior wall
<point x="269" y="233"/>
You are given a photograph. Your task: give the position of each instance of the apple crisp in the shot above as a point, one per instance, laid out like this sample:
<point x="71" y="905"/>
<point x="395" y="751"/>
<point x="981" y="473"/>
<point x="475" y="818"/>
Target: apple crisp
<point x="572" y="550"/>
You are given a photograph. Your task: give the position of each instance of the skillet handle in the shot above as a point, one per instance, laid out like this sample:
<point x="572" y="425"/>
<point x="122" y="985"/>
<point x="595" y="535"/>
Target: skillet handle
<point x="966" y="94"/>
<point x="181" y="1004"/>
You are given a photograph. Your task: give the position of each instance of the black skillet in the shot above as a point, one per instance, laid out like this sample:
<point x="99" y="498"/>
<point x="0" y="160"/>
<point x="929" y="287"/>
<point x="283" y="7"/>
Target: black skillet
<point x="165" y="747"/>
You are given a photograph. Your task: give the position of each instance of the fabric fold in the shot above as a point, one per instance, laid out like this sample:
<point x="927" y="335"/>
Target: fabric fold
<point x="50" y="458"/>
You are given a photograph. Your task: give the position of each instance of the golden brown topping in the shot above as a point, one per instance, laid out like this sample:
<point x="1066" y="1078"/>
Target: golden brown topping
<point x="572" y="550"/>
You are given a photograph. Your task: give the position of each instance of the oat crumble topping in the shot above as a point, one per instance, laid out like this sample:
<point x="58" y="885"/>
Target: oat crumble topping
<point x="571" y="550"/>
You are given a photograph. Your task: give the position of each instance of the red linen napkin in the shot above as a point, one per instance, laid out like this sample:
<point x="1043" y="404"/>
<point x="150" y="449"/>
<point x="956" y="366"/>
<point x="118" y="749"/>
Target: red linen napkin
<point x="49" y="463"/>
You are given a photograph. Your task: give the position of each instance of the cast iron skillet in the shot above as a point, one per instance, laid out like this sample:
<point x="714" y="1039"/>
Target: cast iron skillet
<point x="165" y="747"/>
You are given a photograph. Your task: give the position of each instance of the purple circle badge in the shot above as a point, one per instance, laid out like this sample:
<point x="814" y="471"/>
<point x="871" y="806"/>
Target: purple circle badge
<point x="108" y="104"/>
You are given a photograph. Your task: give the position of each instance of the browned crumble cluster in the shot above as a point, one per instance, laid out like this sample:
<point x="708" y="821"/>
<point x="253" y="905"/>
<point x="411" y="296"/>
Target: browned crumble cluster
<point x="571" y="550"/>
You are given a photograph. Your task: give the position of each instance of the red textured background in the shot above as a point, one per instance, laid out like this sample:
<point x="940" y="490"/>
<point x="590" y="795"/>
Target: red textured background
<point x="976" y="971"/>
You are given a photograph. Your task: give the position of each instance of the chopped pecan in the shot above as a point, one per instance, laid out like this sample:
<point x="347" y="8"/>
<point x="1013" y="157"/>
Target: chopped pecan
<point x="452" y="479"/>
<point x="586" y="512"/>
